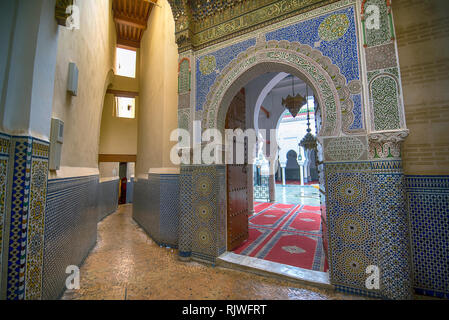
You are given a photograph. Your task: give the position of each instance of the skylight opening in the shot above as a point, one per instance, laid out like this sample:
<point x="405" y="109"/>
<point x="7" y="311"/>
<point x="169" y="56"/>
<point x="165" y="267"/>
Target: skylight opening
<point x="126" y="63"/>
<point x="125" y="107"/>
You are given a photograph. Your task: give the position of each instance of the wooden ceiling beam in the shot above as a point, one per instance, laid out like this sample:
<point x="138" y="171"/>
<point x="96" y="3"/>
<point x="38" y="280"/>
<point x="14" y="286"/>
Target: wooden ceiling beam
<point x="127" y="43"/>
<point x="117" y="158"/>
<point x="129" y="21"/>
<point x="122" y="93"/>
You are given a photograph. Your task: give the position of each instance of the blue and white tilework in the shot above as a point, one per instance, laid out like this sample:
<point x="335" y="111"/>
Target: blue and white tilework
<point x="368" y="225"/>
<point x="156" y="207"/>
<point x="357" y="111"/>
<point x="203" y="212"/>
<point x="107" y="198"/>
<point x="5" y="144"/>
<point x="70" y="229"/>
<point x="428" y="206"/>
<point x="342" y="51"/>
<point x="221" y="59"/>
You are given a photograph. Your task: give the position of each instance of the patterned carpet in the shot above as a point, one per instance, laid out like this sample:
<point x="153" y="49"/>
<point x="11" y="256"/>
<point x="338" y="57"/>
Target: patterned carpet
<point x="286" y="233"/>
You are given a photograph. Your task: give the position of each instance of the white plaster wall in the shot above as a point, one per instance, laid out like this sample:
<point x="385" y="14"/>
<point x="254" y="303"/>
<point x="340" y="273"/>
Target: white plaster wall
<point x="92" y="48"/>
<point x="108" y="170"/>
<point x="119" y="135"/>
<point x="31" y="37"/>
<point x="158" y="86"/>
<point x="252" y="92"/>
<point x="7" y="21"/>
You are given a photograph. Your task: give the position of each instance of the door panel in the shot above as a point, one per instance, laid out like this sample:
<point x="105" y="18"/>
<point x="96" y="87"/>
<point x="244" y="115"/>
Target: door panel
<point x="237" y="175"/>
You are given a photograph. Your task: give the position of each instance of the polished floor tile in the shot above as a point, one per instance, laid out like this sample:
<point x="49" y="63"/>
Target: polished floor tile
<point x="296" y="194"/>
<point x="127" y="264"/>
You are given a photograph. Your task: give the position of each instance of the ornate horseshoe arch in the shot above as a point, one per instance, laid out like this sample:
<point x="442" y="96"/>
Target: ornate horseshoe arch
<point x="330" y="86"/>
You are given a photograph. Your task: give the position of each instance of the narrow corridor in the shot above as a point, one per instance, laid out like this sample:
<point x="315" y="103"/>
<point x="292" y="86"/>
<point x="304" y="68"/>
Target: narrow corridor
<point x="127" y="264"/>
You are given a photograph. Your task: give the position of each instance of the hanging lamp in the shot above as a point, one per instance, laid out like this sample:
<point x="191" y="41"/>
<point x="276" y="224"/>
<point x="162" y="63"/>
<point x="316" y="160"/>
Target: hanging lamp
<point x="309" y="140"/>
<point x="293" y="103"/>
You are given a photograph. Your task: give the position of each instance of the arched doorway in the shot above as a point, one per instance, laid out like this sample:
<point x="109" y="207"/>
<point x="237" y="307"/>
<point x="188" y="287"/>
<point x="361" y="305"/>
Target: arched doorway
<point x="291" y="58"/>
<point x="281" y="57"/>
<point x="280" y="231"/>
<point x="350" y="175"/>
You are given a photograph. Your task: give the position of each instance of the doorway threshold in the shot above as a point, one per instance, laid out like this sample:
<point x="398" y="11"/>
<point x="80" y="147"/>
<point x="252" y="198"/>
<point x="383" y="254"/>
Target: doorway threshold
<point x="273" y="269"/>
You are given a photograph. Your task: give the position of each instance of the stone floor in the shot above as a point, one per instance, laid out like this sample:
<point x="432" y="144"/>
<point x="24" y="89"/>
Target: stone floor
<point x="296" y="194"/>
<point x="127" y="264"/>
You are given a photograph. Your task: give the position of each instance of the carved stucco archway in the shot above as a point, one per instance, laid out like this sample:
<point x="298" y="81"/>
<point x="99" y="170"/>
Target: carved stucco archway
<point x="318" y="71"/>
<point x="347" y="167"/>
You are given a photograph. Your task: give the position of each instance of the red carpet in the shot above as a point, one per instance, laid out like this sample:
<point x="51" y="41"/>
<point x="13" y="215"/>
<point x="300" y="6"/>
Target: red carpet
<point x="287" y="234"/>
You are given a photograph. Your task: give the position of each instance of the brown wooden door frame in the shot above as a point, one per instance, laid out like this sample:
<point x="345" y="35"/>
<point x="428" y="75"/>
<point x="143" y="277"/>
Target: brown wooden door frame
<point x="236" y="180"/>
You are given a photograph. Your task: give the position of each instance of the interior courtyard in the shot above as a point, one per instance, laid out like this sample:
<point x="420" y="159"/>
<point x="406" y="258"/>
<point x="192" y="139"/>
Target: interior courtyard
<point x="224" y="150"/>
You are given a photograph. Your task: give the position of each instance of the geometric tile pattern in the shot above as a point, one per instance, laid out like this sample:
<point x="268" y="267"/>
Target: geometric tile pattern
<point x="330" y="85"/>
<point x="5" y="143"/>
<point x="27" y="186"/>
<point x="221" y="58"/>
<point x="36" y="219"/>
<point x="382" y="35"/>
<point x="146" y="205"/>
<point x="351" y="225"/>
<point x="342" y="49"/>
<point x="385" y="99"/>
<point x="185" y="212"/>
<point x="381" y="57"/>
<point x="107" y="198"/>
<point x="71" y="218"/>
<point x="184" y="76"/>
<point x="129" y="191"/>
<point x="21" y="151"/>
<point x="169" y="212"/>
<point x="393" y="234"/>
<point x="156" y="207"/>
<point x="358" y="112"/>
<point x="368" y="225"/>
<point x="203" y="212"/>
<point x="428" y="207"/>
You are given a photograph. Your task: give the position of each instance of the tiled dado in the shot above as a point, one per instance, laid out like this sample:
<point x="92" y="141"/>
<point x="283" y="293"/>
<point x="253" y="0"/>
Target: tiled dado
<point x="428" y="207"/>
<point x="23" y="187"/>
<point x="72" y="212"/>
<point x="107" y="198"/>
<point x="156" y="207"/>
<point x="129" y="191"/>
<point x="202" y="224"/>
<point x="368" y="225"/>
<point x="5" y="143"/>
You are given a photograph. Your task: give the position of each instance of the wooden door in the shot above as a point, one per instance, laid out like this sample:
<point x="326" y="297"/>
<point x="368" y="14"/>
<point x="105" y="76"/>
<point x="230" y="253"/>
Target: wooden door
<point x="237" y="175"/>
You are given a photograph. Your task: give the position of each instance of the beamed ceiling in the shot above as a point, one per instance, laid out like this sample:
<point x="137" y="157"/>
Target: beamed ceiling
<point x="131" y="18"/>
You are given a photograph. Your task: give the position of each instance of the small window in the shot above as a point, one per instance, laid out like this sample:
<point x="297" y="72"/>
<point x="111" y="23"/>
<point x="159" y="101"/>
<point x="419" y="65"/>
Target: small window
<point x="126" y="63"/>
<point x="125" y="107"/>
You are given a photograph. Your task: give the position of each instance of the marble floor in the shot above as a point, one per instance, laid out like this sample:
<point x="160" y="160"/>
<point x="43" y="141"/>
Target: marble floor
<point x="296" y="194"/>
<point x="127" y="265"/>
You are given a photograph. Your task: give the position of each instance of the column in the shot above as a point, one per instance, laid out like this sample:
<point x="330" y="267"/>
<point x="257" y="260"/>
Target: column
<point x="272" y="182"/>
<point x="272" y="187"/>
<point x="283" y="175"/>
<point x="31" y="39"/>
